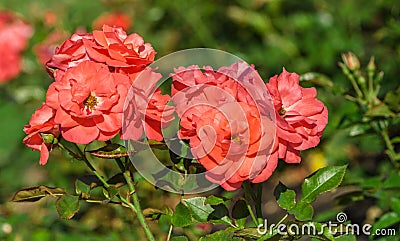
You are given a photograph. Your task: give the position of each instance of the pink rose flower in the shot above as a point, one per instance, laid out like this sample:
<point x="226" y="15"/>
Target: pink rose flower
<point x="228" y="133"/>
<point x="41" y="132"/>
<point x="89" y="101"/>
<point x="230" y="142"/>
<point x="146" y="109"/>
<point x="300" y="117"/>
<point x="14" y="36"/>
<point x="112" y="46"/>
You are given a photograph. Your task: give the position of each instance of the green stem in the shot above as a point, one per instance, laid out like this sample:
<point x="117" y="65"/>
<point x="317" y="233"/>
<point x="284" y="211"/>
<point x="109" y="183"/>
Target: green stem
<point x="135" y="207"/>
<point x="282" y="220"/>
<point x="169" y="232"/>
<point x="350" y="76"/>
<point x="136" y="203"/>
<point x="253" y="217"/>
<point x="391" y="152"/>
<point x="100" y="177"/>
<point x="249" y="194"/>
<point x="258" y="203"/>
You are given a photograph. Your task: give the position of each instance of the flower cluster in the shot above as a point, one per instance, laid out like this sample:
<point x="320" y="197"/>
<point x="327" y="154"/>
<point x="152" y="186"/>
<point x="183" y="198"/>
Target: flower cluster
<point x="227" y="131"/>
<point x="236" y="125"/>
<point x="93" y="74"/>
<point x="14" y="36"/>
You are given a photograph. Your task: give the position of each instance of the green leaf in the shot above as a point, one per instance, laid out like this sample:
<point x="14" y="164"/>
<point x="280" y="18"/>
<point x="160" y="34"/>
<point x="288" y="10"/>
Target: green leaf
<point x="110" y="192"/>
<point x="393" y="181"/>
<point x="222" y="235"/>
<point x="380" y="110"/>
<point x="395" y="140"/>
<point x="392" y="99"/>
<point x="302" y="211"/>
<point x="214" y="200"/>
<point x="181" y="216"/>
<point x="67" y="205"/>
<point x="359" y="129"/>
<point x="110" y="151"/>
<point x="387" y="220"/>
<point x="287" y="199"/>
<point x="220" y="215"/>
<point x="395" y="204"/>
<point x="323" y="180"/>
<point x="152" y="213"/>
<point x="179" y="238"/>
<point x="280" y="188"/>
<point x="82" y="189"/>
<point x="240" y="210"/>
<point x="373" y="182"/>
<point x="270" y="235"/>
<point x="165" y="222"/>
<point x="34" y="194"/>
<point x="203" y="212"/>
<point x="252" y="233"/>
<point x="198" y="208"/>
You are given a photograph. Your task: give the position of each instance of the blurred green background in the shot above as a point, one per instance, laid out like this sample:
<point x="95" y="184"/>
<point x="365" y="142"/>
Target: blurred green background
<point x="302" y="36"/>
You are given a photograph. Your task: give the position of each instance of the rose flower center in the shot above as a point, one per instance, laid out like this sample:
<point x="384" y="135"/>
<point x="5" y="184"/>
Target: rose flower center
<point x="282" y="111"/>
<point x="90" y="102"/>
<point x="236" y="138"/>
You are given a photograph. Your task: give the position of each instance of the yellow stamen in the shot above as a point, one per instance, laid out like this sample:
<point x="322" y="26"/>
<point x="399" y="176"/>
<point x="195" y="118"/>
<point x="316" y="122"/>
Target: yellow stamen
<point x="282" y="111"/>
<point x="90" y="102"/>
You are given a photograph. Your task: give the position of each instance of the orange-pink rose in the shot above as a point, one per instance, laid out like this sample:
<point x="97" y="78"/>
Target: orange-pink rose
<point x="146" y="109"/>
<point x="112" y="46"/>
<point x="227" y="132"/>
<point x="300" y="117"/>
<point x="230" y="142"/>
<point x="41" y="132"/>
<point x="89" y="101"/>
